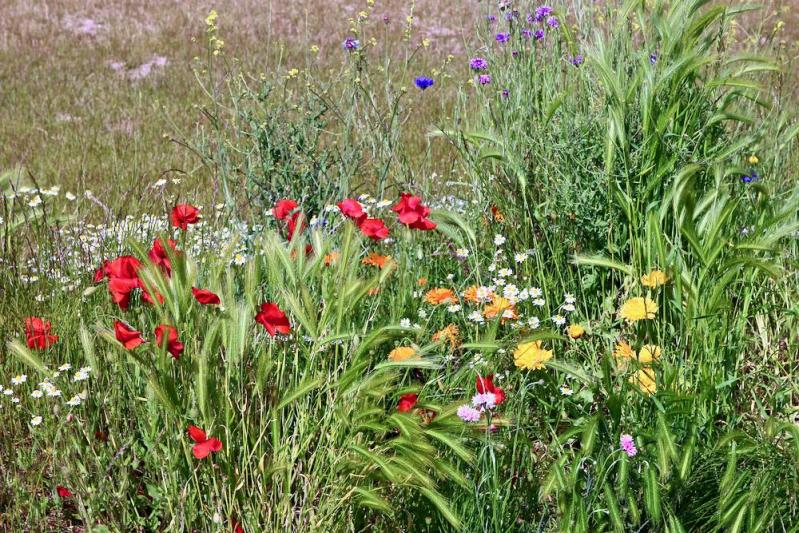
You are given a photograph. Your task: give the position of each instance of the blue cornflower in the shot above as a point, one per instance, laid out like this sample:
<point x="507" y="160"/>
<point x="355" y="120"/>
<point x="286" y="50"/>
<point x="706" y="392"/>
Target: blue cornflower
<point x="503" y="37"/>
<point x="539" y="35"/>
<point x="754" y="176"/>
<point x="351" y="43"/>
<point x="424" y="82"/>
<point x="577" y="60"/>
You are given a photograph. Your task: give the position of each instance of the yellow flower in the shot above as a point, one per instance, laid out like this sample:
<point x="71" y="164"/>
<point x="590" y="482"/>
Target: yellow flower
<point x="649" y="353"/>
<point x="575" y="331"/>
<point x="645" y="380"/>
<point x="401" y="353"/>
<point x="498" y="307"/>
<point x="753" y="160"/>
<point x="314" y="49"/>
<point x="636" y="309"/>
<point x="440" y="296"/>
<point x="450" y="333"/>
<point x="654" y="279"/>
<point x="531" y="355"/>
<point x="623" y="351"/>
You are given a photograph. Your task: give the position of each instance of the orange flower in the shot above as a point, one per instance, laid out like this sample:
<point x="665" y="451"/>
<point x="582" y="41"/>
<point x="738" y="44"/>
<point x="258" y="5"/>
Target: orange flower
<point x="421" y="282"/>
<point x="377" y="260"/>
<point x="498" y="216"/>
<point x="374" y="291"/>
<point x="440" y="296"/>
<point x="470" y="294"/>
<point x="497" y="307"/>
<point x="402" y="353"/>
<point x="450" y="333"/>
<point x="331" y="258"/>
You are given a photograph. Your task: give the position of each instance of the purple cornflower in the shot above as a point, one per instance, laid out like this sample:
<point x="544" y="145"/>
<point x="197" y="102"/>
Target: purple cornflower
<point x="516" y="53"/>
<point x="577" y="60"/>
<point x="552" y="22"/>
<point x="539" y="35"/>
<point x="478" y="63"/>
<point x="653" y="58"/>
<point x="628" y="445"/>
<point x="491" y="19"/>
<point x="529" y="18"/>
<point x="386" y="19"/>
<point x="503" y="37"/>
<point x="505" y="93"/>
<point x="487" y="400"/>
<point x="542" y="12"/>
<point x="351" y="43"/>
<point x="527" y="33"/>
<point x="424" y="82"/>
<point x="468" y="414"/>
<point x="484" y="79"/>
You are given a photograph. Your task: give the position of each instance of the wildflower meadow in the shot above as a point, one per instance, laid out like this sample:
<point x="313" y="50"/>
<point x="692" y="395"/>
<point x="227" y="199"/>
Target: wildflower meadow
<point x="372" y="265"/>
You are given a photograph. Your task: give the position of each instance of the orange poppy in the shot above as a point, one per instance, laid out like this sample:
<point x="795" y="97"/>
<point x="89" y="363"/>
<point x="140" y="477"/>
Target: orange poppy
<point x="375" y="259"/>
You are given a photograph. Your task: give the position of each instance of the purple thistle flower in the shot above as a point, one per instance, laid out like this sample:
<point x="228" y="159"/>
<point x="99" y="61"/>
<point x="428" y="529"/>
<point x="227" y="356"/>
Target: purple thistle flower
<point x="539" y="34"/>
<point x="484" y="79"/>
<point x="424" y="82"/>
<point x="552" y="22"/>
<point x="503" y="37"/>
<point x="542" y="12"/>
<point x="468" y="413"/>
<point x="478" y="63"/>
<point x="351" y="43"/>
<point x="628" y="445"/>
<point x="577" y="60"/>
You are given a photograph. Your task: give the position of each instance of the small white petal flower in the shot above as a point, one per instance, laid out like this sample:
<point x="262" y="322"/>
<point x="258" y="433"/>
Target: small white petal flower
<point x="36" y="420"/>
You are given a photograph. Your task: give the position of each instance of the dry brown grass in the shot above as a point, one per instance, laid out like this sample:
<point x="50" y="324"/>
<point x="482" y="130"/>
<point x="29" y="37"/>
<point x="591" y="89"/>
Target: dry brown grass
<point x="71" y="120"/>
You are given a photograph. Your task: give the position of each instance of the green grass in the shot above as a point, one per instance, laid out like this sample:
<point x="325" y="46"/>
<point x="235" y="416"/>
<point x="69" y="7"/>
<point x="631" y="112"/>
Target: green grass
<point x="559" y="196"/>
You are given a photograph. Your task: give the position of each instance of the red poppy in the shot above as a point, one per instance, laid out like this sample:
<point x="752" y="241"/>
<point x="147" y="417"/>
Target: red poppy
<point x="205" y="297"/>
<point x="407" y="402"/>
<point x="63" y="492"/>
<point x="170" y="335"/>
<point x="185" y="214"/>
<point x="283" y="208"/>
<point x="125" y="266"/>
<point x="123" y="277"/>
<point x="352" y="209"/>
<point x="100" y="273"/>
<point x="295" y="223"/>
<point x="159" y="256"/>
<point x="273" y="319"/>
<point x="374" y="228"/>
<point x="486" y="384"/>
<point x="204" y="446"/>
<point x="145" y="295"/>
<point x="413" y="213"/>
<point x="129" y="337"/>
<point x="236" y="526"/>
<point x="37" y="332"/>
